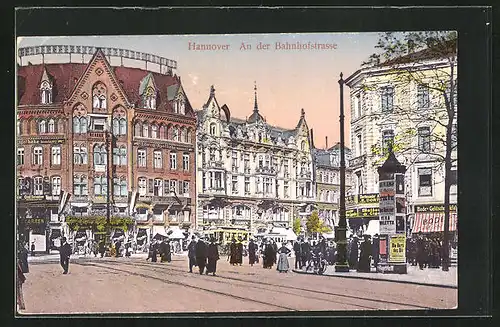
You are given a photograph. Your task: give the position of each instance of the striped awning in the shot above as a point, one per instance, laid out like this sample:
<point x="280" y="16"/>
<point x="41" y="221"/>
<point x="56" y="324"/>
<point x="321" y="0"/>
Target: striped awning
<point x="430" y="222"/>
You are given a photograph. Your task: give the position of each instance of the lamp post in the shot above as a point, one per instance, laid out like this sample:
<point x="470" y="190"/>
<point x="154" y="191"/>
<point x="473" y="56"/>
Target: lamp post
<point x="341" y="265"/>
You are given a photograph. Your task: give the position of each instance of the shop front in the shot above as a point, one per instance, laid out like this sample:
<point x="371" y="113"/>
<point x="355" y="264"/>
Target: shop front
<point x="360" y="210"/>
<point x="429" y="219"/>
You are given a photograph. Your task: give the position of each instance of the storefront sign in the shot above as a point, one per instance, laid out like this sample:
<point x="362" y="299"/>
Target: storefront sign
<point x="397" y="249"/>
<point x="362" y="212"/>
<point x="434" y="208"/>
<point x="31" y="197"/>
<point x="369" y="198"/>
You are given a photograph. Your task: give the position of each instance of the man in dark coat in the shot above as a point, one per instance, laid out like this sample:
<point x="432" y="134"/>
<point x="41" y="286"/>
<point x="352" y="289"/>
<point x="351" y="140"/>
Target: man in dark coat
<point x="154" y="252"/>
<point x="353" y="256"/>
<point x="102" y="248"/>
<point x="252" y="250"/>
<point x="33" y="248"/>
<point x="168" y="251"/>
<point x="163" y="251"/>
<point x="212" y="256"/>
<point x="269" y="256"/>
<point x="239" y="252"/>
<point x="201" y="255"/>
<point x="64" y="253"/>
<point x="306" y="252"/>
<point x="23" y="258"/>
<point x="298" y="254"/>
<point x="192" y="254"/>
<point x="420" y="245"/>
<point x="365" y="254"/>
<point x="376" y="250"/>
<point x="233" y="252"/>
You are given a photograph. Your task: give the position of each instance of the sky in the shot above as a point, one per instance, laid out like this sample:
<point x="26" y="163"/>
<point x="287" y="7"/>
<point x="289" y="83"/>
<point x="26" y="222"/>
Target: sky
<point x="286" y="80"/>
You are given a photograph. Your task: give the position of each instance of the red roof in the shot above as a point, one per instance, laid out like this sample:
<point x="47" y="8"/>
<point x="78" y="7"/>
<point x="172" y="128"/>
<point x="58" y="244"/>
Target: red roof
<point x="64" y="76"/>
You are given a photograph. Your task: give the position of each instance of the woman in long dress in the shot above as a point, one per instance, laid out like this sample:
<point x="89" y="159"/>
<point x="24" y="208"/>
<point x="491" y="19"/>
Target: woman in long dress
<point x="283" y="264"/>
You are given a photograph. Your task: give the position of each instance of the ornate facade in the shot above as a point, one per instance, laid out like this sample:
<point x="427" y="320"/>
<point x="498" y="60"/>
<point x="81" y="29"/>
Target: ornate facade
<point x="105" y="134"/>
<point x="249" y="173"/>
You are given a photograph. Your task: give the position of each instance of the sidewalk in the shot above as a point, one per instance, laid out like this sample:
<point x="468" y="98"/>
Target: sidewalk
<point x="54" y="257"/>
<point x="427" y="276"/>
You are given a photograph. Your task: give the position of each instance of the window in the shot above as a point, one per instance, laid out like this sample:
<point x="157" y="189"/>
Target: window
<point x="142" y="184"/>
<point x="175" y="134"/>
<point x="261" y="161"/>
<point x="303" y="145"/>
<point x="37" y="155"/>
<point x="258" y="185"/>
<point x="268" y="161"/>
<point x="235" y="184"/>
<point x="186" y="188"/>
<point x="246" y="163"/>
<point x="183" y="135"/>
<point x="267" y="186"/>
<point x="387" y="99"/>
<point x="79" y="125"/>
<point x="285" y="167"/>
<point x="154" y="131"/>
<point x="454" y="137"/>
<point x="423" y="96"/>
<point x="234" y="159"/>
<point x="100" y="185"/>
<point x="212" y="129"/>
<point x="99" y="96"/>
<point x="79" y="155"/>
<point x="100" y="157"/>
<point x="99" y="124"/>
<point x="116" y="156"/>
<point x="141" y="158"/>
<point x="387" y="139"/>
<point x="56" y="155"/>
<point x="51" y="126"/>
<point x="424" y="139"/>
<point x="137" y="129"/>
<point x="38" y="185"/>
<point x="20" y="156"/>
<point x="145" y="130"/>
<point x="80" y="185"/>
<point x="357" y="105"/>
<point x="173" y="185"/>
<point x="56" y="185"/>
<point x="424" y="181"/>
<point x="453" y="182"/>
<point x="123" y="126"/>
<point x="285" y="189"/>
<point x="359" y="145"/>
<point x="188" y="136"/>
<point x="119" y="126"/>
<point x="247" y="185"/>
<point x="120" y="187"/>
<point x="212" y="154"/>
<point x="173" y="161"/>
<point x="150" y="98"/>
<point x="182" y="108"/>
<point x="158" y="187"/>
<point x="185" y="162"/>
<point x="158" y="160"/>
<point x="359" y="182"/>
<point x="42" y="126"/>
<point x="46" y="93"/>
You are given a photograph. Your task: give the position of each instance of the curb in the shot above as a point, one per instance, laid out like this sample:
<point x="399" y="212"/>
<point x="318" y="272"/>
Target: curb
<point x="379" y="279"/>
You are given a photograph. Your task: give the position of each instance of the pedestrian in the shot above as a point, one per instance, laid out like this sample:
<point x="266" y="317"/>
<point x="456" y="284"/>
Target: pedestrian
<point x="102" y="248"/>
<point x="233" y="252"/>
<point x="270" y="255"/>
<point x="252" y="249"/>
<point x="95" y="248"/>
<point x="168" y="251"/>
<point x="298" y="254"/>
<point x="239" y="252"/>
<point x="192" y="253"/>
<point x="322" y="246"/>
<point x="33" y="248"/>
<point x="64" y="253"/>
<point x="376" y="250"/>
<point x="353" y="257"/>
<point x="420" y="245"/>
<point x="23" y="258"/>
<point x="154" y="252"/>
<point x="306" y="252"/>
<point x="201" y="255"/>
<point x="365" y="255"/>
<point x="150" y="251"/>
<point x="19" y="285"/>
<point x="212" y="256"/>
<point x="163" y="251"/>
<point x="283" y="264"/>
<point x="127" y="249"/>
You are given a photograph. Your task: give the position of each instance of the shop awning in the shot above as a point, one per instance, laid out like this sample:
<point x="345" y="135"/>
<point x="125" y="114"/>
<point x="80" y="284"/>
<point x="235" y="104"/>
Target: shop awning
<point x="430" y="222"/>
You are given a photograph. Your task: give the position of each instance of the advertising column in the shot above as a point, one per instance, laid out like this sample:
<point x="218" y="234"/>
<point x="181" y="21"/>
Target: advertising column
<point x="392" y="215"/>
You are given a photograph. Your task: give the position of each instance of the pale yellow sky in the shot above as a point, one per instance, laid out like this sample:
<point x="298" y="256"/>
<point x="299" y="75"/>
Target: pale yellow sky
<point x="287" y="80"/>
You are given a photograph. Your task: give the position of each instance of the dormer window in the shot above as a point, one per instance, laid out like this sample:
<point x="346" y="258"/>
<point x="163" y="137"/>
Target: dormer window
<point x="46" y="92"/>
<point x="179" y="105"/>
<point x="99" y="96"/>
<point x="149" y="98"/>
<point x="212" y="129"/>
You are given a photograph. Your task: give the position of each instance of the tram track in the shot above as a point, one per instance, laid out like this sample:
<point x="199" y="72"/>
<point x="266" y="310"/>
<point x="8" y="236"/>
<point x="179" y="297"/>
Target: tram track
<point x="260" y="285"/>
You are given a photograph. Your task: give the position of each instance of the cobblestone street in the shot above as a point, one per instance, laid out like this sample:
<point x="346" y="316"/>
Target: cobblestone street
<point x="133" y="285"/>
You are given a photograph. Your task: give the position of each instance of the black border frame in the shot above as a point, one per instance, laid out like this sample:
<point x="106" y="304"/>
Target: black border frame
<point x="475" y="60"/>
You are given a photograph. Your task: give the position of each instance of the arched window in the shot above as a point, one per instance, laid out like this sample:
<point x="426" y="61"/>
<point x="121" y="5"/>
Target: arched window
<point x="175" y="134"/>
<point x="123" y="126"/>
<point x="303" y="145"/>
<point x="182" y="109"/>
<point x="212" y="129"/>
<point x="137" y="129"/>
<point x="116" y="126"/>
<point x="83" y="125"/>
<point x="189" y="135"/>
<point x="100" y="185"/>
<point x="184" y="135"/>
<point x="166" y="131"/>
<point x="145" y="130"/>
<point x="46" y="92"/>
<point x="149" y="98"/>
<point x="19" y="127"/>
<point x="120" y="186"/>
<point x="99" y="96"/>
<point x="154" y="131"/>
<point x="51" y="126"/>
<point x="42" y="126"/>
<point x="100" y="154"/>
<point x="76" y="125"/>
<point x="123" y="156"/>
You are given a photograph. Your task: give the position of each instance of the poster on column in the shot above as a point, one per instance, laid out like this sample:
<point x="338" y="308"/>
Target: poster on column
<point x="397" y="249"/>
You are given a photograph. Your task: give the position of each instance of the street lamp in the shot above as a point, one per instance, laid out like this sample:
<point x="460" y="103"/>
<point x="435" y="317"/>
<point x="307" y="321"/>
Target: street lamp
<point x="341" y="265"/>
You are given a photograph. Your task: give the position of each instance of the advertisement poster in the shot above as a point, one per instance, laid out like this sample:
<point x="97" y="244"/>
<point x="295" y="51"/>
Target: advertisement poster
<point x="397" y="249"/>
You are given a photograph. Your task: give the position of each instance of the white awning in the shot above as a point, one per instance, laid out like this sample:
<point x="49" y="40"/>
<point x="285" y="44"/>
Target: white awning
<point x="121" y="205"/>
<point x="175" y="233"/>
<point x="79" y="204"/>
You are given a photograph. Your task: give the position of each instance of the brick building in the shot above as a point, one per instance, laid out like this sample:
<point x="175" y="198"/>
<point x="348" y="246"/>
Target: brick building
<point x="75" y="118"/>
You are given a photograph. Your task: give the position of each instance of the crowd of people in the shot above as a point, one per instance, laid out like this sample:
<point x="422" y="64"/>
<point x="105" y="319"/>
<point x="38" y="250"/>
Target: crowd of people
<point x="426" y="251"/>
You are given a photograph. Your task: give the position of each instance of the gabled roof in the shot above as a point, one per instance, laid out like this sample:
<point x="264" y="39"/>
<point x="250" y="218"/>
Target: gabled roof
<point x="149" y="79"/>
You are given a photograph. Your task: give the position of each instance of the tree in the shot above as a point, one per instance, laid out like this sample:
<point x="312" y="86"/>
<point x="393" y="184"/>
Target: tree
<point x="426" y="61"/>
<point x="315" y="225"/>
<point x="296" y="226"/>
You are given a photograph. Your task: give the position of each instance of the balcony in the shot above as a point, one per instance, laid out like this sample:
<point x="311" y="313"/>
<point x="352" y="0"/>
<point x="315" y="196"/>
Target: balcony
<point x="304" y="175"/>
<point x="357" y="162"/>
<point x="265" y="170"/>
<point x="213" y="164"/>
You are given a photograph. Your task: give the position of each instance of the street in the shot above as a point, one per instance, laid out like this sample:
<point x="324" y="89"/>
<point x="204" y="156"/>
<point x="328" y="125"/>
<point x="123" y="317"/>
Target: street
<point x="134" y="285"/>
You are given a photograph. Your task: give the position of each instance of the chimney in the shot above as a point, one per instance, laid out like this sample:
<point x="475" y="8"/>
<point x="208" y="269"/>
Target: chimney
<point x="312" y="139"/>
<point x="326" y="142"/>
